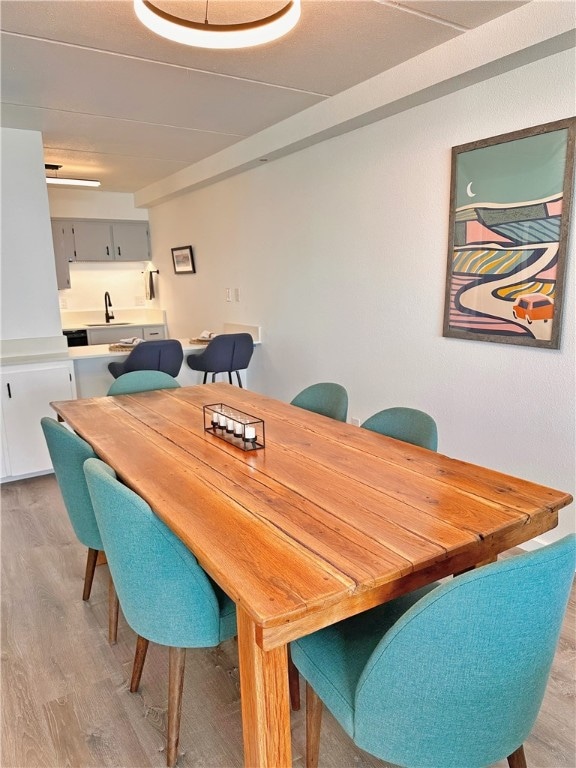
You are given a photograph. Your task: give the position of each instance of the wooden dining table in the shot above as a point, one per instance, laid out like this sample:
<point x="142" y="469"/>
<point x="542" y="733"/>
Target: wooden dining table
<point x="325" y="521"/>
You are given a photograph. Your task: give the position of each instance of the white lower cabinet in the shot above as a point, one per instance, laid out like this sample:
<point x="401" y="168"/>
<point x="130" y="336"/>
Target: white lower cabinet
<point x="27" y="391"/>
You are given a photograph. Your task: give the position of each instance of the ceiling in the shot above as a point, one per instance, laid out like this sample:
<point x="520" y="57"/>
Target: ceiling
<point x="117" y="103"/>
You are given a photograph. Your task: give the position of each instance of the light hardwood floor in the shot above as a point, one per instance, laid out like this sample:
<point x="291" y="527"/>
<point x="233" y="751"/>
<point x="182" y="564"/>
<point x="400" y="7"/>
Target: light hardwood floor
<point x="65" y="698"/>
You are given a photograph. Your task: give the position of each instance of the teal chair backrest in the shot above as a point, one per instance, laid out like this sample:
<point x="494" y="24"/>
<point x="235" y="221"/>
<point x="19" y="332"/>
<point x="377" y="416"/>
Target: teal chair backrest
<point x="326" y="398"/>
<point x="165" y="595"/>
<point x="459" y="679"/>
<point x="142" y="381"/>
<point x="68" y="453"/>
<point x="407" y="424"/>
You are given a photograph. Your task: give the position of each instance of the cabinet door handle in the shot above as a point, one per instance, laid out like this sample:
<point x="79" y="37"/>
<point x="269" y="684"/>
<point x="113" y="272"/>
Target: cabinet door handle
<point x="107" y="251"/>
<point x="154" y="333"/>
<point x="119" y="254"/>
<point x="9" y="390"/>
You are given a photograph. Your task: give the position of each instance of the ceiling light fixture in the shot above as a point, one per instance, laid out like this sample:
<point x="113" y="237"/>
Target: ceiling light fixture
<point x="67" y="182"/>
<point x="220" y="36"/>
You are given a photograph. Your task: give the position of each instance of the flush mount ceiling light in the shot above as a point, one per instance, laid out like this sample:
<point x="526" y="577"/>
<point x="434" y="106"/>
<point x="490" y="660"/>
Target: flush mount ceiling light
<point x="67" y="182"/>
<point x="220" y="36"/>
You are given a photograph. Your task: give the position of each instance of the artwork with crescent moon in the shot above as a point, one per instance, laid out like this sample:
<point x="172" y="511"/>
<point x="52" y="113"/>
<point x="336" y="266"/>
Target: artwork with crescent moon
<point x="508" y="234"/>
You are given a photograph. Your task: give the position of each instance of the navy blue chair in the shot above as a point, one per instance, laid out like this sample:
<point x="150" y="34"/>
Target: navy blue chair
<point x="225" y="353"/>
<point x="165" y="355"/>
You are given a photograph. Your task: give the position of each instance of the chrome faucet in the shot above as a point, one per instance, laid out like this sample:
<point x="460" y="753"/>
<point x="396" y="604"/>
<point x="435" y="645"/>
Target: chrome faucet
<point x="109" y="315"/>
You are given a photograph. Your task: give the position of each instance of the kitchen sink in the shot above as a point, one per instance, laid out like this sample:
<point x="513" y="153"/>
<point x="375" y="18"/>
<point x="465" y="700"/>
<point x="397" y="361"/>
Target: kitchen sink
<point x="104" y="325"/>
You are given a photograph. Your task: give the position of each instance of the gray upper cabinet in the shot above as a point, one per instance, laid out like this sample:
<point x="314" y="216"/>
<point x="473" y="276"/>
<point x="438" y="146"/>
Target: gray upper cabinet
<point x="93" y="241"/>
<point x="97" y="240"/>
<point x="131" y="241"/>
<point x="63" y="239"/>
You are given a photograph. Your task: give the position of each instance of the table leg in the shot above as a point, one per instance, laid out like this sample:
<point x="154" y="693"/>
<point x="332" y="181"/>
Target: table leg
<point x="265" y="700"/>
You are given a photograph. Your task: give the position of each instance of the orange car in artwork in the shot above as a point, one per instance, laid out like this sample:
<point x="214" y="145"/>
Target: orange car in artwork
<point x="533" y="306"/>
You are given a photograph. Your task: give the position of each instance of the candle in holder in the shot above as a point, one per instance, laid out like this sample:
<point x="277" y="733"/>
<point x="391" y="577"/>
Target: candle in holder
<point x="230" y="425"/>
<point x="214" y="419"/>
<point x="249" y="433"/>
<point x="222" y="420"/>
<point x="238" y="429"/>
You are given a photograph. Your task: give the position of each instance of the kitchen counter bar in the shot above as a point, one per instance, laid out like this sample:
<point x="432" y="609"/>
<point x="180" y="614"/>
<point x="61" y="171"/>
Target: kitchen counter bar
<point x="103" y="350"/>
<point x="93" y="379"/>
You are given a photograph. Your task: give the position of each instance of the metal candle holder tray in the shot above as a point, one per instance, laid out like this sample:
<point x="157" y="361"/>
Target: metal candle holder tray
<point x="234" y="426"/>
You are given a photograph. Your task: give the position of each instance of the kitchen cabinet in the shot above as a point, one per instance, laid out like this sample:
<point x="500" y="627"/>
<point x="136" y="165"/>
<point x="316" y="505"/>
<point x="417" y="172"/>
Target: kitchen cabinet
<point x="93" y="241"/>
<point x="27" y="390"/>
<point x="63" y="239"/>
<point x="98" y="240"/>
<point x="114" y="333"/>
<point x="131" y="241"/>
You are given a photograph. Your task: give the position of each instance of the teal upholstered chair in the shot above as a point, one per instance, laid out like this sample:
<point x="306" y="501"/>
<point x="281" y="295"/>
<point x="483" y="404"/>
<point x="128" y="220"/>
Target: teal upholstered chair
<point x="142" y="381"/>
<point x="407" y="424"/>
<point x="166" y="596"/>
<point x="326" y="398"/>
<point x="68" y="453"/>
<point x="454" y="679"/>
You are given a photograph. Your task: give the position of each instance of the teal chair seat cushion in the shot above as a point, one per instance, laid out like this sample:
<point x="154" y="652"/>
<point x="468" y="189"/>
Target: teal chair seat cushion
<point x="349" y="645"/>
<point x="68" y="453"/>
<point x="456" y="679"/>
<point x="165" y="595"/>
<point x="142" y="381"/>
<point x="326" y="398"/>
<point x="468" y="665"/>
<point x="407" y="424"/>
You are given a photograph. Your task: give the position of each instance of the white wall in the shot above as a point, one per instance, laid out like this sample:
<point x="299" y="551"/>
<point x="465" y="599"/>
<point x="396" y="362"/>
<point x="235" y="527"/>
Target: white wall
<point x="339" y="252"/>
<point x="124" y="281"/>
<point x="29" y="293"/>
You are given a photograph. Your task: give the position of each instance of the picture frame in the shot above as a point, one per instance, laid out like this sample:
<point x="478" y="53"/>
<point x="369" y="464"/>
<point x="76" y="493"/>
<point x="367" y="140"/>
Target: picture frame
<point x="183" y="259"/>
<point x="510" y="202"/>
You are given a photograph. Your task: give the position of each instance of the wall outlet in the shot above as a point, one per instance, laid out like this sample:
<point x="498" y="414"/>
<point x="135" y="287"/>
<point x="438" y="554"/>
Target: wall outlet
<point x="355" y="422"/>
<point x="139" y="301"/>
<point x="228" y="294"/>
<point x="236" y="294"/>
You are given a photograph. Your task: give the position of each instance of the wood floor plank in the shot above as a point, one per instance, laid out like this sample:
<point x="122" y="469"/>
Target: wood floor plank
<point x="65" y="701"/>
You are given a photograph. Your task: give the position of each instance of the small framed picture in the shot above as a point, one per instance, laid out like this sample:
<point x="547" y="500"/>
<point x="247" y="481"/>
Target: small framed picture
<point x="183" y="259"/>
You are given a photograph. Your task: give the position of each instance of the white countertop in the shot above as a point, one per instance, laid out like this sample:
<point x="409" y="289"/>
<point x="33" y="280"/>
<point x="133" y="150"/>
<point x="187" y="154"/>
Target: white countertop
<point x="94" y="318"/>
<point x="94" y="326"/>
<point x="103" y="350"/>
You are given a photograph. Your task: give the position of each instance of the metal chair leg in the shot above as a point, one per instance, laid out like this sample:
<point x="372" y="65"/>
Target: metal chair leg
<point x="239" y="379"/>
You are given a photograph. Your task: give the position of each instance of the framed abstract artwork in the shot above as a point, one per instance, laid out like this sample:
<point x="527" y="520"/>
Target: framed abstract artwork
<point x="508" y="233"/>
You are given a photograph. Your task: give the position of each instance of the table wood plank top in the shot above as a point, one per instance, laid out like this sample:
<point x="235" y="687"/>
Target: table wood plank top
<point x="328" y="508"/>
<point x="326" y="521"/>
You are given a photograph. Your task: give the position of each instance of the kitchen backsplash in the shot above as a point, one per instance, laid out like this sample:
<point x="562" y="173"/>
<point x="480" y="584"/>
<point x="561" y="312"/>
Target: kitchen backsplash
<point x="124" y="282"/>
